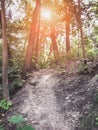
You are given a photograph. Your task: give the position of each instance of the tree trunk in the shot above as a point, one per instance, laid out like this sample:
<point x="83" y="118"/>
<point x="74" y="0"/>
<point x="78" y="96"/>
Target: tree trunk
<point x="67" y="24"/>
<point x="4" y="54"/>
<point x="37" y="40"/>
<point x="67" y="36"/>
<point x="54" y="44"/>
<point x="81" y="32"/>
<point x="32" y="39"/>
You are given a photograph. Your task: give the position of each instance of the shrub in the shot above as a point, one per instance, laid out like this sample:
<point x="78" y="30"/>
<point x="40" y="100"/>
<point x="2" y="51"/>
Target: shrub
<point x="5" y="105"/>
<point x="20" y="123"/>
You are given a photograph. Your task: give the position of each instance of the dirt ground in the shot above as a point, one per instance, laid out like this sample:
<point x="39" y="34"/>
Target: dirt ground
<point x="54" y="100"/>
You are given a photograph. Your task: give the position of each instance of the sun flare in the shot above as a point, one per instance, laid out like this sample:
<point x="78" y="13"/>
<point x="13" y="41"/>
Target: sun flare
<point x="46" y="14"/>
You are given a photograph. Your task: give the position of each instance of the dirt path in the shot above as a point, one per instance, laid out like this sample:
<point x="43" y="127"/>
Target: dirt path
<point x="51" y="101"/>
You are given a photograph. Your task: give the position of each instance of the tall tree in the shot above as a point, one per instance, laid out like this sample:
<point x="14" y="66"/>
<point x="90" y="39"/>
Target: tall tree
<point x="81" y="31"/>
<point x="4" y="53"/>
<point x="67" y="25"/>
<point x="37" y="39"/>
<point x="54" y="43"/>
<point x="32" y="38"/>
<point x="67" y="28"/>
<point x="69" y="14"/>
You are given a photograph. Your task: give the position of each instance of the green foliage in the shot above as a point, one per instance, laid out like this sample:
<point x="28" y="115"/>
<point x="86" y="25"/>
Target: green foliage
<point x="89" y="120"/>
<point x="44" y="61"/>
<point x="16" y="58"/>
<point x="1" y="128"/>
<point x="26" y="127"/>
<point x="16" y="44"/>
<point x="50" y="61"/>
<point x="5" y="105"/>
<point x="16" y="52"/>
<point x="83" y="67"/>
<point x="19" y="121"/>
<point x="18" y="82"/>
<point x="72" y="54"/>
<point x="15" y="80"/>
<point x="95" y="98"/>
<point x="86" y="121"/>
<point x="96" y="76"/>
<point x="92" y="54"/>
<point x="96" y="121"/>
<point x="16" y="119"/>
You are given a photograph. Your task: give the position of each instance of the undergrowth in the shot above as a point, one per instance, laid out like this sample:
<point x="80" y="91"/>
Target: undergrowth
<point x="89" y="120"/>
<point x="5" y="105"/>
<point x="19" y="123"/>
<point x="15" y="81"/>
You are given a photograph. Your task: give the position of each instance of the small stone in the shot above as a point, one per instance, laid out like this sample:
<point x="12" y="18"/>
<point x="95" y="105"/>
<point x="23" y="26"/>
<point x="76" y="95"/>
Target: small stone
<point x="69" y="101"/>
<point x="67" y="98"/>
<point x="35" y="122"/>
<point x="92" y="85"/>
<point x="2" y="115"/>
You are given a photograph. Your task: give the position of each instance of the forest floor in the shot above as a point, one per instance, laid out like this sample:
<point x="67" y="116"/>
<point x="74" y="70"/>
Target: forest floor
<point x="55" y="99"/>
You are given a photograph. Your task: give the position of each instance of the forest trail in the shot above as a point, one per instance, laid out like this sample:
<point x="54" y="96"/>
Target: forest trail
<point x="52" y="100"/>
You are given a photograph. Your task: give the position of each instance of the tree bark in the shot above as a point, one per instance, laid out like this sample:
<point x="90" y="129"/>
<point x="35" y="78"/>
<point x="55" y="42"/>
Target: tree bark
<point x="67" y="36"/>
<point x="4" y="54"/>
<point x="54" y="44"/>
<point x="67" y="24"/>
<point x="81" y="32"/>
<point x="37" y="40"/>
<point x="32" y="39"/>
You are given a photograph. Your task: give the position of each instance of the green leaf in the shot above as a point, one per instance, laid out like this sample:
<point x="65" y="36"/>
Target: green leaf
<point x="1" y="128"/>
<point x="26" y="127"/>
<point x="9" y="104"/>
<point x="16" y="119"/>
<point x="96" y="118"/>
<point x="96" y="123"/>
<point x="4" y="104"/>
<point x="23" y="81"/>
<point x="96" y="76"/>
<point x="20" y="84"/>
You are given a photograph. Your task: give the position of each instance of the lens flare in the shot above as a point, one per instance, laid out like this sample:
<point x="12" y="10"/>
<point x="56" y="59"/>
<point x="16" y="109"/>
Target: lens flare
<point x="46" y="14"/>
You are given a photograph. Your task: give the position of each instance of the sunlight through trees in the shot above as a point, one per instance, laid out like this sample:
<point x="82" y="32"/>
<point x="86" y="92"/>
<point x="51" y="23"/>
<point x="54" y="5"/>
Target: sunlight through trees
<point x="41" y="33"/>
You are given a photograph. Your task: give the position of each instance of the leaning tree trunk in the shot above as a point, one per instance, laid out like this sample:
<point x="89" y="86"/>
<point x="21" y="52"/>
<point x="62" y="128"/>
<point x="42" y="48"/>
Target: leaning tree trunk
<point x="4" y="53"/>
<point x="32" y="39"/>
